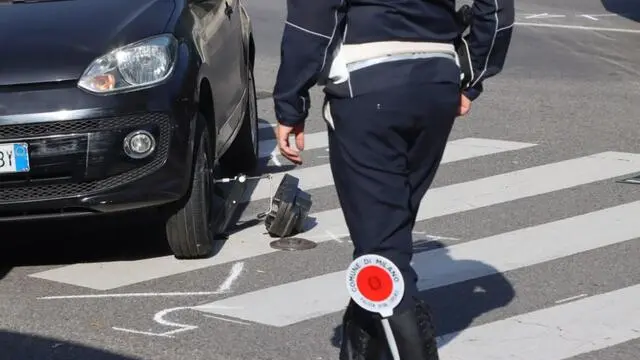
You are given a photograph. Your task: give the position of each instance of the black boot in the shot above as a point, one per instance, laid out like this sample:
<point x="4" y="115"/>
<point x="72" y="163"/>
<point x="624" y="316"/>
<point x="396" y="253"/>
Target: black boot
<point x="362" y="335"/>
<point x="414" y="333"/>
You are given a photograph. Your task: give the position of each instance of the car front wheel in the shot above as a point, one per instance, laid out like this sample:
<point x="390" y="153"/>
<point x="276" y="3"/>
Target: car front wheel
<point x="190" y="231"/>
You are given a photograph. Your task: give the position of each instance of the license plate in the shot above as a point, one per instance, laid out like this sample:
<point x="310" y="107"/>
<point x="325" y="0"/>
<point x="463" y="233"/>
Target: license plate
<point x="14" y="158"/>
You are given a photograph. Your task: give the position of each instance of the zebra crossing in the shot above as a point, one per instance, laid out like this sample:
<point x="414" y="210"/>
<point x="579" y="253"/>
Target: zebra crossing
<point x="559" y="331"/>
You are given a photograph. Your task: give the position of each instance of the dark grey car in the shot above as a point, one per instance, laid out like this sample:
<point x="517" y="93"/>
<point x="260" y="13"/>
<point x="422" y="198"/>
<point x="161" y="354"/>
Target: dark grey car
<point x="119" y="105"/>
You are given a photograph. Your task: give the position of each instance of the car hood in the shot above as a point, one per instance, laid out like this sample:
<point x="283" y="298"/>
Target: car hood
<point x="56" y="40"/>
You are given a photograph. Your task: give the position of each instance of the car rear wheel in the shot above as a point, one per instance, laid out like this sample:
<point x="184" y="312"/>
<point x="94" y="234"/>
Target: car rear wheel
<point x="242" y="156"/>
<point x="191" y="231"/>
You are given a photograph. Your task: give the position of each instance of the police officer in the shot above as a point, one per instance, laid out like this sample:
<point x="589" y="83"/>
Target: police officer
<point x="393" y="88"/>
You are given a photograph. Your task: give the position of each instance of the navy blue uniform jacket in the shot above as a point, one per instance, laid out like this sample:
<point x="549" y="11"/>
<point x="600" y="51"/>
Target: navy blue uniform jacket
<point x="311" y="27"/>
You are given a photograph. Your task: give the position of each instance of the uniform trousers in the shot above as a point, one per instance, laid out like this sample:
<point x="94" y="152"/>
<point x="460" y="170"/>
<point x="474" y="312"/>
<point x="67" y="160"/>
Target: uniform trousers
<point x="385" y="148"/>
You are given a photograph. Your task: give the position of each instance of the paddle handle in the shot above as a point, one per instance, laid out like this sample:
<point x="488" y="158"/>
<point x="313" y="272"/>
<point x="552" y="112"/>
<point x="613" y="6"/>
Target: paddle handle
<point x="390" y="339"/>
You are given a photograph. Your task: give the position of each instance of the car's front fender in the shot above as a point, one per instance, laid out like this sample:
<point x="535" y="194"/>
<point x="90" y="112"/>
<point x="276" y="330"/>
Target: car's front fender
<point x="247" y="29"/>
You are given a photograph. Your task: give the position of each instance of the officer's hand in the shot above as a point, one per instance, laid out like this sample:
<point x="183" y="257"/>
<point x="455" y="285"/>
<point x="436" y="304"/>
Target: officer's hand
<point x="282" y="133"/>
<point x="465" y="105"/>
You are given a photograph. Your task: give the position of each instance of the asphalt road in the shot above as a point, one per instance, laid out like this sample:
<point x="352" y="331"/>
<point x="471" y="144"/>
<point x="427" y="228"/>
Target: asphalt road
<point x="527" y="244"/>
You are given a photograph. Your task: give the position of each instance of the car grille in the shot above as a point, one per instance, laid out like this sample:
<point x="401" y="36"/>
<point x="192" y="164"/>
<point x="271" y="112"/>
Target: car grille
<point x="30" y="192"/>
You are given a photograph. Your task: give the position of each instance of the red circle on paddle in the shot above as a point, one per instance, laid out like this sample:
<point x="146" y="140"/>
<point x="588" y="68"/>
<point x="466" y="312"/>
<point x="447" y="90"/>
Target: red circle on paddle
<point x="374" y="283"/>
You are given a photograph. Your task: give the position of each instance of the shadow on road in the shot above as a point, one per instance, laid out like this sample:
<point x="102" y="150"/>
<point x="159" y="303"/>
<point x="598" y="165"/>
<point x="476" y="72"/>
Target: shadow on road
<point x="456" y="306"/>
<point x="629" y="9"/>
<point x="25" y="346"/>
<point x="81" y="240"/>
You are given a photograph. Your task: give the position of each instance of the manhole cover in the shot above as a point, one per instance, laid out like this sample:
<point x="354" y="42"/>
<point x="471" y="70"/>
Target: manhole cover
<point x="292" y="244"/>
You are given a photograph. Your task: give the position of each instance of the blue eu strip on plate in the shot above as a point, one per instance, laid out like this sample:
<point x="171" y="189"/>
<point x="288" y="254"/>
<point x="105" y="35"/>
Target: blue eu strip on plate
<point x="22" y="157"/>
<point x="14" y="158"/>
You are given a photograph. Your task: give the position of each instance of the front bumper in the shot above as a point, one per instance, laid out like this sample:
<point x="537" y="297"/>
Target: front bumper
<point x="79" y="166"/>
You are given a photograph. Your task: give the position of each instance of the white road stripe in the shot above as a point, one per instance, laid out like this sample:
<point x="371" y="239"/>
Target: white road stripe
<point x="327" y="294"/>
<point x="315" y="177"/>
<point x="265" y="125"/>
<point x="312" y="141"/>
<point x="577" y="27"/>
<point x="555" y="333"/>
<point x="441" y="201"/>
<point x="494" y="190"/>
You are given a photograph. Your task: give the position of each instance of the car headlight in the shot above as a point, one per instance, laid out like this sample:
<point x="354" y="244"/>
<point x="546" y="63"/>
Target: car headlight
<point x="132" y="67"/>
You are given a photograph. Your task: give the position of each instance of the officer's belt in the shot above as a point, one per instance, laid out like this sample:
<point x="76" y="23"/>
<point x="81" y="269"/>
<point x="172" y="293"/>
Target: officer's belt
<point x="357" y="56"/>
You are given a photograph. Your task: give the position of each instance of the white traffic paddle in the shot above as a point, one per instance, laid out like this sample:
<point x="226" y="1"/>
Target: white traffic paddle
<point x="375" y="283"/>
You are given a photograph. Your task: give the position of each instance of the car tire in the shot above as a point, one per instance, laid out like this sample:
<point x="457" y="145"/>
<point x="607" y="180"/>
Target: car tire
<point x="190" y="231"/>
<point x="243" y="154"/>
